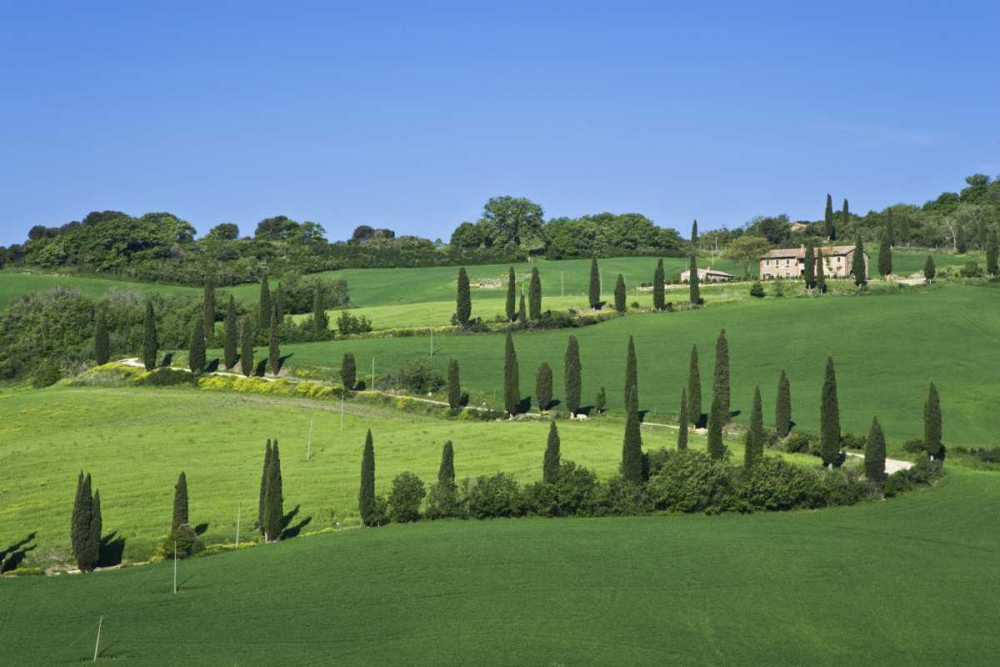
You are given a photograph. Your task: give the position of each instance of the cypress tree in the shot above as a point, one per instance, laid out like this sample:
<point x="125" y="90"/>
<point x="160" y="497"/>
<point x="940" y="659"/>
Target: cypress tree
<point x="80" y="526"/>
<point x="754" y="444"/>
<point x="522" y="312"/>
<point x="890" y="228"/>
<point x="682" y="429"/>
<point x="463" y="299"/>
<point x="845" y="216"/>
<point x="694" y="389"/>
<point x="229" y="350"/>
<point x="595" y="283"/>
<point x="820" y="272"/>
<point x="720" y="386"/>
<point x="454" y="385"/>
<point x="961" y="242"/>
<point x="149" y="345"/>
<point x="102" y="343"/>
<point x="858" y="268"/>
<point x="511" y="296"/>
<point x="246" y="348"/>
<point x="601" y="400"/>
<point x="831" y="233"/>
<point x="783" y="407"/>
<point x="932" y="423"/>
<point x="620" y="295"/>
<point x="659" y="278"/>
<point x="208" y="309"/>
<point x="809" y="267"/>
<point x="264" y="307"/>
<point x="875" y="453"/>
<point x="321" y="321"/>
<point x="694" y="290"/>
<point x="717" y="417"/>
<point x="573" y="376"/>
<point x="535" y="295"/>
<point x="511" y="380"/>
<point x="262" y="502"/>
<point x="273" y="351"/>
<point x="279" y="304"/>
<point x="829" y="417"/>
<point x="180" y="517"/>
<point x="196" y="351"/>
<point x="992" y="254"/>
<point x="273" y="498"/>
<point x="349" y="371"/>
<point x="631" y="376"/>
<point x="632" y="445"/>
<point x="550" y="465"/>
<point x="543" y="386"/>
<point x="694" y="236"/>
<point x="929" y="269"/>
<point x="366" y="498"/>
<point x="446" y="472"/>
<point x="885" y="255"/>
<point x="94" y="534"/>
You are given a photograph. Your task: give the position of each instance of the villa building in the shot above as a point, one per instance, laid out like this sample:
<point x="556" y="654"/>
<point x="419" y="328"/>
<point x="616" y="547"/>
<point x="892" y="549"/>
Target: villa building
<point x="790" y="262"/>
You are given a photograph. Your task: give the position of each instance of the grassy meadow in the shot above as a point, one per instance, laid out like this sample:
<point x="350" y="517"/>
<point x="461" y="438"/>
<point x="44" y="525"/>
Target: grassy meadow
<point x="905" y="582"/>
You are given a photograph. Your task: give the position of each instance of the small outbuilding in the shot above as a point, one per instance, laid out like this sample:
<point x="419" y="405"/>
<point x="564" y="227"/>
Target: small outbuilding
<point x="708" y="275"/>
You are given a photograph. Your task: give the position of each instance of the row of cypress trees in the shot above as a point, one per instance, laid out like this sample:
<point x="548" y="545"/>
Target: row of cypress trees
<point x="270" y="508"/>
<point x="86" y="525"/>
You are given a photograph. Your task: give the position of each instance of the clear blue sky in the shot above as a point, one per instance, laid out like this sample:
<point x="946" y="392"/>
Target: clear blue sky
<point x="410" y="115"/>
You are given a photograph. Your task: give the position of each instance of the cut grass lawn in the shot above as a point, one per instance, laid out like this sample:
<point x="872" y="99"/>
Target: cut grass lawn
<point x="136" y="441"/>
<point x="887" y="350"/>
<point x="905" y="582"/>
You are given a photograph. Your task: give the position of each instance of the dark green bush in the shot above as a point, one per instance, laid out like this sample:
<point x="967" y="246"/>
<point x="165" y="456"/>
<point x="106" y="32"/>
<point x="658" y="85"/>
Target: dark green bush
<point x="800" y="443"/>
<point x="773" y="484"/>
<point x="624" y="498"/>
<point x="166" y="377"/>
<point x="914" y="446"/>
<point x="405" y="497"/>
<point x="493" y="496"/>
<point x="187" y="542"/>
<point x="851" y="441"/>
<point x="690" y="481"/>
<point x="419" y="376"/>
<point x="921" y="474"/>
<point x="575" y="492"/>
<point x="757" y="290"/>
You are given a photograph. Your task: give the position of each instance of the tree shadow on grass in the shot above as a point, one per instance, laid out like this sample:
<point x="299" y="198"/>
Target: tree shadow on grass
<point x="524" y="406"/>
<point x="282" y="360"/>
<point x="587" y="410"/>
<point x="12" y="556"/>
<point x="112" y="550"/>
<point x="552" y="405"/>
<point x="289" y="531"/>
<point x="260" y="368"/>
<point x="212" y="366"/>
<point x="735" y="413"/>
<point x="168" y="359"/>
<point x="201" y="529"/>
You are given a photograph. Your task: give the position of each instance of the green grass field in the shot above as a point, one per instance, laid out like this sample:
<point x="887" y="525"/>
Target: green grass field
<point x="887" y="350"/>
<point x="136" y="441"/>
<point x="905" y="582"/>
<point x="14" y="285"/>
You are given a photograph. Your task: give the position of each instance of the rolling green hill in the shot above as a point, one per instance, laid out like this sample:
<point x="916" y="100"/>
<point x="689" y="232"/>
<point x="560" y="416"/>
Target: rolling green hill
<point x="906" y="582"/>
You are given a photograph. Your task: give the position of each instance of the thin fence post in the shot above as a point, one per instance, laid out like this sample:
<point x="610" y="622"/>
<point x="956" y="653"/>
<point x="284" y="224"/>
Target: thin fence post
<point x="97" y="645"/>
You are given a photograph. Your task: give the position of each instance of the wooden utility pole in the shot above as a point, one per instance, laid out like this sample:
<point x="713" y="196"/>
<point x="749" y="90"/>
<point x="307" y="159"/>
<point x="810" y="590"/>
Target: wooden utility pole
<point x="97" y="646"/>
<point x="238" y="508"/>
<point x="175" y="567"/>
<point x="310" y="442"/>
<point x="373" y="374"/>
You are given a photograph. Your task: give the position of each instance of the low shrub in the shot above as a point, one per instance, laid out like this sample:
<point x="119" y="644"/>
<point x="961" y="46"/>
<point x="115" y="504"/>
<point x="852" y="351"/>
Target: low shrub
<point x="443" y="502"/>
<point x="574" y="492"/>
<point x="922" y="474"/>
<point x="914" y="446"/>
<point x="405" y="497"/>
<point x="621" y="497"/>
<point x="851" y="441"/>
<point x="166" y="377"/>
<point x="186" y="540"/>
<point x="971" y="270"/>
<point x="420" y="377"/>
<point x="348" y="324"/>
<point x="689" y="481"/>
<point x="772" y="484"/>
<point x="757" y="290"/>
<point x="986" y="455"/>
<point x="493" y="496"/>
<point x="800" y="443"/>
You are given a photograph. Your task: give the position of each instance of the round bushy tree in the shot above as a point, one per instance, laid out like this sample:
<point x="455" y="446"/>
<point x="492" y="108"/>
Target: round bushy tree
<point x="405" y="496"/>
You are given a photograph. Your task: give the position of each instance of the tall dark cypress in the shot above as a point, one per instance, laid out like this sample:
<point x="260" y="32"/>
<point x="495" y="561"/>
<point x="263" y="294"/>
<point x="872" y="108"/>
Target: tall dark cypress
<point x="463" y="299"/>
<point x="829" y="417"/>
<point x="454" y="386"/>
<point x="149" y="343"/>
<point x="180" y="516"/>
<point x="632" y="445"/>
<point x="550" y="465"/>
<point x="511" y="296"/>
<point x="535" y="296"/>
<point x="659" y="280"/>
<point x="783" y="407"/>
<point x="929" y="269"/>
<point x="94" y="535"/>
<point x="595" y="283"/>
<point x="80" y="526"/>
<point x="522" y="312"/>
<point x="349" y="371"/>
<point x="875" y="453"/>
<point x="196" y="351"/>
<point x="278" y="303"/>
<point x="717" y="417"/>
<point x="845" y="216"/>
<point x="682" y="429"/>
<point x="273" y="498"/>
<point x="694" y="389"/>
<point x="208" y="309"/>
<point x="992" y="254"/>
<point x="820" y="272"/>
<point x="932" y="423"/>
<point x="321" y="321"/>
<point x="885" y="255"/>
<point x="446" y="471"/>
<point x="273" y="351"/>
<point x="102" y="342"/>
<point x="573" y="376"/>
<point x="809" y="266"/>
<point x="620" y="295"/>
<point x="366" y="497"/>
<point x="246" y="348"/>
<point x="831" y="232"/>
<point x="694" y="236"/>
<point x="858" y="268"/>
<point x="631" y="376"/>
<point x="543" y="386"/>
<point x="601" y="401"/>
<point x="511" y="378"/>
<point x="754" y="446"/>
<point x="720" y="386"/>
<point x="694" y="287"/>
<point x="262" y="502"/>
<point x="264" y="306"/>
<point x="961" y="241"/>
<point x="229" y="352"/>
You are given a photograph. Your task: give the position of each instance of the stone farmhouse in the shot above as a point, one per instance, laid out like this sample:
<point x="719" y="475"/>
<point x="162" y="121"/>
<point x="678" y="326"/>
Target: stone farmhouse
<point x="708" y="275"/>
<point x="790" y="262"/>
